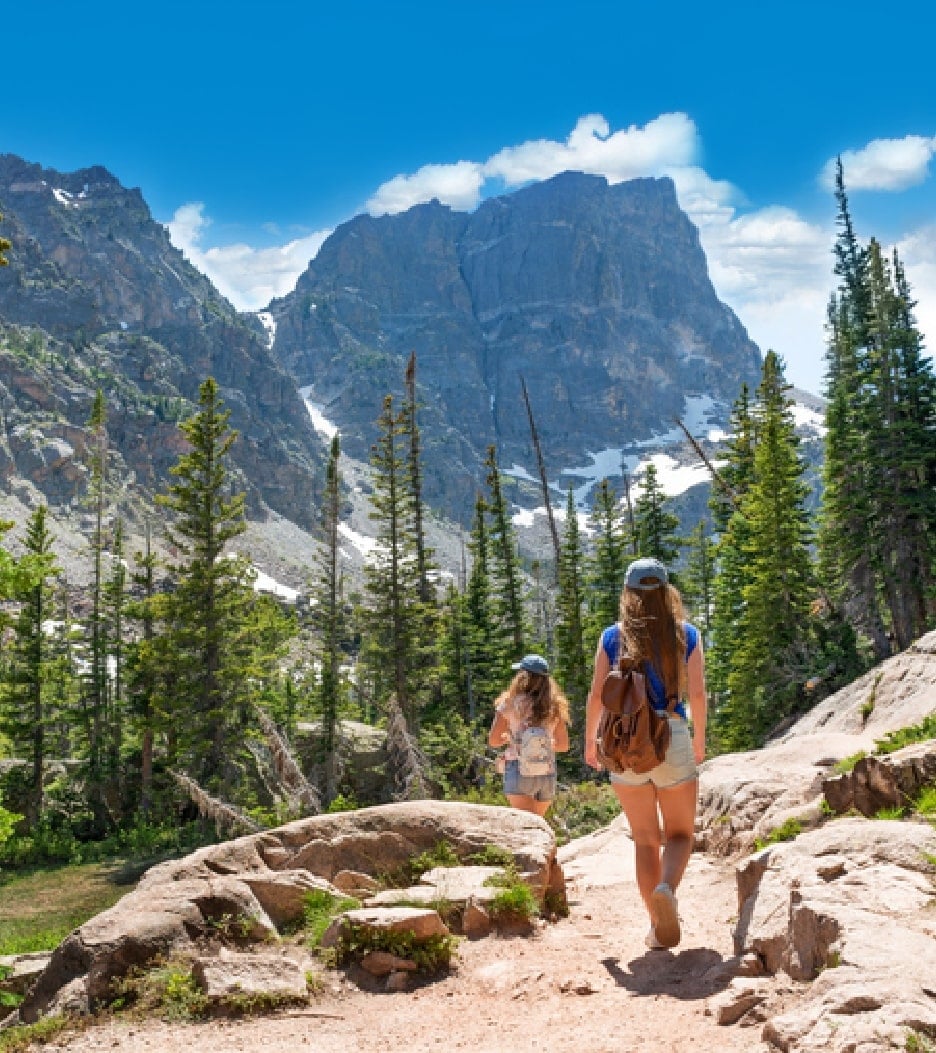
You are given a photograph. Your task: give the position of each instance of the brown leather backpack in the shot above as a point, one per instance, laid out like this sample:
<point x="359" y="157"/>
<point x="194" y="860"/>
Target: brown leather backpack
<point x="632" y="735"/>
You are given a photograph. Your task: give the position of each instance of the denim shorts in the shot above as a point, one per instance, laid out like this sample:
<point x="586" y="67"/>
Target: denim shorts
<point x="539" y="787"/>
<point x="678" y="766"/>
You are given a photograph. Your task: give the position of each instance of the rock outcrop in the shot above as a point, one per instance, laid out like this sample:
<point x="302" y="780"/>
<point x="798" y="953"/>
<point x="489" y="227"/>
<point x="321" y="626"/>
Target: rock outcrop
<point x="745" y="796"/>
<point x="251" y="887"/>
<point x="847" y="912"/>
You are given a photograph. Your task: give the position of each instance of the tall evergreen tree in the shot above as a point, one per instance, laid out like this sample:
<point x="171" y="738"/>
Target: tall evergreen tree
<point x="609" y="559"/>
<point x="329" y="620"/>
<point x="396" y="619"/>
<point x="879" y="510"/>
<point x="655" y="524"/>
<point x="27" y="704"/>
<point x="698" y="580"/>
<point x="486" y="648"/>
<point x="506" y="579"/>
<point x="572" y="658"/>
<point x="210" y="624"/>
<point x="766" y="672"/>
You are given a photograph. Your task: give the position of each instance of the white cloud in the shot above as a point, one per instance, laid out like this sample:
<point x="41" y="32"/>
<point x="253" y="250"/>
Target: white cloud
<point x="457" y="185"/>
<point x="884" y="164"/>
<point x="248" y="277"/>
<point x="669" y="141"/>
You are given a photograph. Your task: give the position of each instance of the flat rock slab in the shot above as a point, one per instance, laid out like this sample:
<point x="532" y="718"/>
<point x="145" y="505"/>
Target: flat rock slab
<point x="24" y="969"/>
<point x="251" y="975"/>
<point x="422" y="923"/>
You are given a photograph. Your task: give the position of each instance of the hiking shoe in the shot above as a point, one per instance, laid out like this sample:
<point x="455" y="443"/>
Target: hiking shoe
<point x="652" y="942"/>
<point x="665" y="916"/>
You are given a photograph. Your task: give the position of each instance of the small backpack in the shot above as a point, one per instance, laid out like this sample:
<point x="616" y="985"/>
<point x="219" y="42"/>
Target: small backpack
<point x="632" y="735"/>
<point x="535" y="752"/>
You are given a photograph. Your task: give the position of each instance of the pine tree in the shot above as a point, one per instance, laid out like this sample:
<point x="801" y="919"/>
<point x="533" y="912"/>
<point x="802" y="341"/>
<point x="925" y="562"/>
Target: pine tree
<point x="572" y="659"/>
<point x="145" y="670"/>
<point x="610" y="557"/>
<point x="115" y="600"/>
<point x="506" y="580"/>
<point x="766" y="671"/>
<point x="731" y="543"/>
<point x="486" y="650"/>
<point x="878" y="508"/>
<point x="656" y="526"/>
<point x="5" y="247"/>
<point x="27" y="710"/>
<point x="94" y="697"/>
<point x="698" y="580"/>
<point x="396" y="616"/>
<point x="211" y="641"/>
<point x="329" y="620"/>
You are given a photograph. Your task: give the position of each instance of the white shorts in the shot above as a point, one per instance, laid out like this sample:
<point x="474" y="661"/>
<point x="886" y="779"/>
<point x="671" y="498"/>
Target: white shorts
<point x="678" y="766"/>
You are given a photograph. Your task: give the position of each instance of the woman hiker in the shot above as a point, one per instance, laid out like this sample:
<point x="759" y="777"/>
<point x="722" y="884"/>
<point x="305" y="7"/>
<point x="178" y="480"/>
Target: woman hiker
<point x="660" y="805"/>
<point x="532" y="718"/>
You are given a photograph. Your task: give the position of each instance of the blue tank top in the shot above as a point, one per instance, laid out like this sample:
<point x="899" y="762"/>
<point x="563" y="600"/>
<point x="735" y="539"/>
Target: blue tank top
<point x="656" y="690"/>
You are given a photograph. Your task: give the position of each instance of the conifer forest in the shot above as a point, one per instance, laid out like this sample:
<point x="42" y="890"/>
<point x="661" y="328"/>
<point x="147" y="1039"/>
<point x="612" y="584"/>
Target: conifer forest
<point x="171" y="701"/>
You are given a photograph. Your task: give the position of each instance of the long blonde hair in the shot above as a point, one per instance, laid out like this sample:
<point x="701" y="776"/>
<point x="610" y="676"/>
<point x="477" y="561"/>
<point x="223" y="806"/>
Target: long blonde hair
<point x="653" y="629"/>
<point x="549" y="704"/>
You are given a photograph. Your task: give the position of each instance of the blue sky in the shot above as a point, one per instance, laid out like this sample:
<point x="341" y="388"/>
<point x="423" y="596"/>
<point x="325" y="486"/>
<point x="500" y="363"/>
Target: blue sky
<point x="254" y="129"/>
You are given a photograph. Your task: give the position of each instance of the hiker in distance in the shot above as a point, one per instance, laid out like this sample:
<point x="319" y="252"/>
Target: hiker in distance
<point x="532" y="719"/>
<point x="660" y="804"/>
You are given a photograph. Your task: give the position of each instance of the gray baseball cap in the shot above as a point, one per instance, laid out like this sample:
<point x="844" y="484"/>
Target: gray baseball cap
<point x="533" y="663"/>
<point x="646" y="574"/>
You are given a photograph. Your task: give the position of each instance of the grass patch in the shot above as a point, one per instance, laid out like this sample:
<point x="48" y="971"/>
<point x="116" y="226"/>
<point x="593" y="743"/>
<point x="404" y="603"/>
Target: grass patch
<point x="319" y="909"/>
<point x="491" y="856"/>
<point x="917" y="1043"/>
<point x="925" y="802"/>
<point x="789" y="830"/>
<point x="165" y="989"/>
<point x="847" y="764"/>
<point x="39" y="909"/>
<point x="895" y="740"/>
<point x="896" y="812"/>
<point x="514" y="901"/>
<point x="431" y="954"/>
<point x="28" y="1036"/>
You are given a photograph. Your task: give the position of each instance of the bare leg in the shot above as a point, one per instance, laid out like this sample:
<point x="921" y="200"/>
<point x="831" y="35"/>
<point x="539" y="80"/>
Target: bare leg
<point x="528" y="804"/>
<point x="678" y="807"/>
<point x="640" y="806"/>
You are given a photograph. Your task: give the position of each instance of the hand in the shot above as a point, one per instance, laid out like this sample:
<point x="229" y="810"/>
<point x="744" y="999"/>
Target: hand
<point x="591" y="756"/>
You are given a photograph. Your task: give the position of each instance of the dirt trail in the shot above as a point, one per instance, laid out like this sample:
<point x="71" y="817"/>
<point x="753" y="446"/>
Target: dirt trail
<point x="585" y="984"/>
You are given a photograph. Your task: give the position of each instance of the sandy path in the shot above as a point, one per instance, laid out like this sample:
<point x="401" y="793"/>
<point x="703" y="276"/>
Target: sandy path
<point x="585" y="984"/>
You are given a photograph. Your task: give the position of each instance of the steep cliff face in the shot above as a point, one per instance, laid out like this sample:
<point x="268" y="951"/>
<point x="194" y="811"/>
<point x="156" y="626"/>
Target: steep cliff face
<point x="97" y="296"/>
<point x="597" y="296"/>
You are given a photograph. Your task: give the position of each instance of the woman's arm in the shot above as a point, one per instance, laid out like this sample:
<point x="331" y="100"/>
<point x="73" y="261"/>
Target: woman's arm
<point x="698" y="702"/>
<point x="500" y="729"/>
<point x="560" y="736"/>
<point x="593" y="706"/>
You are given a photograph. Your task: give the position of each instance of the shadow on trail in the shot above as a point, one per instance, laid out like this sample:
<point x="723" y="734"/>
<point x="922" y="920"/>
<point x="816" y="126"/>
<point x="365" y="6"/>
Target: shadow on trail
<point x="690" y="974"/>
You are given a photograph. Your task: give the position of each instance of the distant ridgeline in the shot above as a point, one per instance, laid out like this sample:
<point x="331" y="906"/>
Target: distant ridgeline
<point x="597" y="296"/>
<point x="96" y="296"/>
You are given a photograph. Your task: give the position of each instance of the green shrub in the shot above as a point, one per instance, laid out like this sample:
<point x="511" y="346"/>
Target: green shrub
<point x="431" y="953"/>
<point x="895" y="740"/>
<point x="514" y="901"/>
<point x="28" y="1036"/>
<point x="166" y="989"/>
<point x="925" y="801"/>
<point x="319" y="909"/>
<point x="789" y="830"/>
<point x="581" y="809"/>
<point x="491" y="856"/>
<point x="847" y="764"/>
<point x="896" y="812"/>
<point x="917" y="1043"/>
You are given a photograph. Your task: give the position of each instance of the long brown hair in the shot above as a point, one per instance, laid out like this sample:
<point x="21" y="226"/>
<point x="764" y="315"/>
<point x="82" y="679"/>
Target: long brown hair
<point x="548" y="701"/>
<point x="653" y="629"/>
